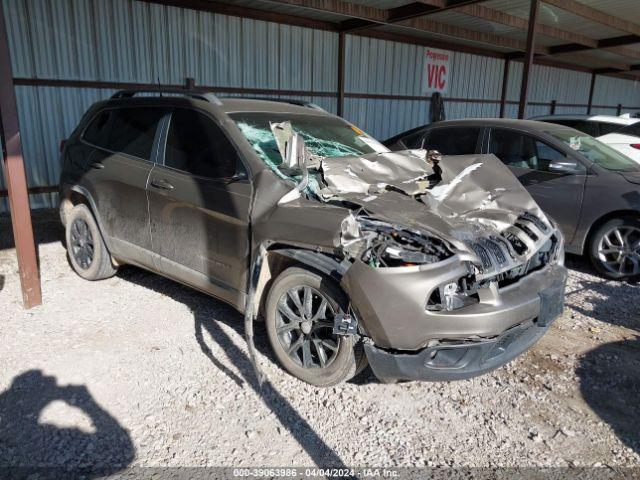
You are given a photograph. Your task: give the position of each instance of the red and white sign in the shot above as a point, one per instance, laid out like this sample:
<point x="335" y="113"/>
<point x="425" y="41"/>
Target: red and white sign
<point x="436" y="70"/>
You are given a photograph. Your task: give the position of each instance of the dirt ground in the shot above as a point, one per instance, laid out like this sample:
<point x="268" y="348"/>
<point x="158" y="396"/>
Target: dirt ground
<point x="140" y="371"/>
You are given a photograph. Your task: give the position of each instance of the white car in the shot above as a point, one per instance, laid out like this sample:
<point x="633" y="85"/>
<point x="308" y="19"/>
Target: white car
<point x="594" y="125"/>
<point x="626" y="141"/>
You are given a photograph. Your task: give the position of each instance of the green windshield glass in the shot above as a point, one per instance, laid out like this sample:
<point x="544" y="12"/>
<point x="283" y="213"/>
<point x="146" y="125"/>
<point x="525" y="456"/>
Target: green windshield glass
<point x="324" y="136"/>
<point x="595" y="151"/>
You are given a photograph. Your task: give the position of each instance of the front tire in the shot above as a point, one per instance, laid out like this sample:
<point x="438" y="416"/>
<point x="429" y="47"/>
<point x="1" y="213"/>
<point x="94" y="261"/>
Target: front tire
<point x="614" y="248"/>
<point x="86" y="250"/>
<point x="299" y="316"/>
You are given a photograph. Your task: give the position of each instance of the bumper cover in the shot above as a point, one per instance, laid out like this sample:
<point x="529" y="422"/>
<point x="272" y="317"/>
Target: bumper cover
<point x="466" y="359"/>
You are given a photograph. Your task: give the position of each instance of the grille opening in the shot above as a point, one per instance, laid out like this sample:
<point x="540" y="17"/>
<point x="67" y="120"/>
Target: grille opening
<point x="540" y="225"/>
<point x="528" y="231"/>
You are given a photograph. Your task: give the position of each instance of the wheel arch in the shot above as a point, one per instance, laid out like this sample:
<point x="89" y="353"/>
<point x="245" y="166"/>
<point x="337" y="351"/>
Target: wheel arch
<point x="279" y="257"/>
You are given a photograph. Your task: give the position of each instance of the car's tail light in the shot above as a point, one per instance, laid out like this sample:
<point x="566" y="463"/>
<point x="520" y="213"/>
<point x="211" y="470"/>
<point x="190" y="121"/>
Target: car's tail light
<point x="636" y="146"/>
<point x="62" y="143"/>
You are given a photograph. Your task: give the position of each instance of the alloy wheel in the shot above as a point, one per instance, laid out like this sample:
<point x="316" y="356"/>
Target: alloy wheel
<point x="304" y="325"/>
<point x="81" y="243"/>
<point x="619" y="250"/>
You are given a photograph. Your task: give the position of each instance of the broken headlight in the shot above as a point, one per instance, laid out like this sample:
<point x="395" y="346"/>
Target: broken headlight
<point x="453" y="295"/>
<point x="381" y="244"/>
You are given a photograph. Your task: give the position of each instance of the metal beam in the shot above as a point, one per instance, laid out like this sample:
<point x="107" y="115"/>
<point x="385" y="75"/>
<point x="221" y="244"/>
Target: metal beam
<point x="601" y="44"/>
<point x="505" y="84"/>
<point x="408" y="11"/>
<point x="591" y="89"/>
<point x="341" y="42"/>
<point x="15" y="176"/>
<point x="595" y="15"/>
<point x="528" y="60"/>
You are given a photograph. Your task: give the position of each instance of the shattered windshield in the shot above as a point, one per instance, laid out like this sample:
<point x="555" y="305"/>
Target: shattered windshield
<point x="595" y="151"/>
<point x="324" y="136"/>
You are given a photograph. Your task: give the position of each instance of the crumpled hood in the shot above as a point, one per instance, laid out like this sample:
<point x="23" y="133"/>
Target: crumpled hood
<point x="477" y="196"/>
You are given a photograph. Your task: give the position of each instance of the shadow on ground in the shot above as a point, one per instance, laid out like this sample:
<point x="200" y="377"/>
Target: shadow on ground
<point x="610" y="384"/>
<point x="27" y="443"/>
<point x="46" y="228"/>
<point x="208" y="315"/>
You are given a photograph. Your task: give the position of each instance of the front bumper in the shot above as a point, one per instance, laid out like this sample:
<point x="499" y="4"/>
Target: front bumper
<point x="468" y="341"/>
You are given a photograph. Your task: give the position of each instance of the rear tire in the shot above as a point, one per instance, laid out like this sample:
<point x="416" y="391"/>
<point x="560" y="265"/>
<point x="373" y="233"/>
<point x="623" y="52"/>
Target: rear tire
<point x="86" y="250"/>
<point x="614" y="248"/>
<point x="307" y="348"/>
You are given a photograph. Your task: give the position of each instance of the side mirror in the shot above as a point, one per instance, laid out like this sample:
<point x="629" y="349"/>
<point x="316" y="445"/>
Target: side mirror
<point x="565" y="166"/>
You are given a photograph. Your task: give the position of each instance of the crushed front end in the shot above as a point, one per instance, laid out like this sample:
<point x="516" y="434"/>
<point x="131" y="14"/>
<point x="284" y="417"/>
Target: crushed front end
<point x="450" y="267"/>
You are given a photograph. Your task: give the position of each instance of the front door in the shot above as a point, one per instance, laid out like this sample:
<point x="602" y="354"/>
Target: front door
<point x="199" y="203"/>
<point x="558" y="194"/>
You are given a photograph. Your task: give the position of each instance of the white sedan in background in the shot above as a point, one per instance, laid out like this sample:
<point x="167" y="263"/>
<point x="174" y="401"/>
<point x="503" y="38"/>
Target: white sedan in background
<point x="626" y="141"/>
<point x="594" y="125"/>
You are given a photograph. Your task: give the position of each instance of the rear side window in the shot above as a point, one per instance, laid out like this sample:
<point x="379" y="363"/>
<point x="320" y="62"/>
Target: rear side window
<point x="454" y="140"/>
<point x="196" y="145"/>
<point x="125" y="130"/>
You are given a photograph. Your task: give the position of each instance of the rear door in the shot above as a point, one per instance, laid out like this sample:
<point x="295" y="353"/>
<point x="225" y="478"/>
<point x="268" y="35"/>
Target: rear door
<point x="116" y="174"/>
<point x="558" y="194"/>
<point x="199" y="201"/>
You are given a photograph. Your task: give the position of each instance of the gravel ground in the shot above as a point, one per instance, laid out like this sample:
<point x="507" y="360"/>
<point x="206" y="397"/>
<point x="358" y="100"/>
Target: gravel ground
<point x="138" y="370"/>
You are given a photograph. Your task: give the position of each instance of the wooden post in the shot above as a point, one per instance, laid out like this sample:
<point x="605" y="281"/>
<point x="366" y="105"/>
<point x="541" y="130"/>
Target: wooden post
<point x="552" y="109"/>
<point x="505" y="85"/>
<point x="619" y="109"/>
<point x="14" y="173"/>
<point x="528" y="58"/>
<point x="341" y="42"/>
<point x="591" y="87"/>
<point x="189" y="83"/>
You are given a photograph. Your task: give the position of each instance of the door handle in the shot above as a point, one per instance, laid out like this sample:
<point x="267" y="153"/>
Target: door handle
<point x="161" y="184"/>
<point x="97" y="165"/>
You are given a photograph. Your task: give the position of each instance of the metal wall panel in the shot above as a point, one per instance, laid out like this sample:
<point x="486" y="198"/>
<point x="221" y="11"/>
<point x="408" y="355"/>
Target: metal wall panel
<point x="612" y="91"/>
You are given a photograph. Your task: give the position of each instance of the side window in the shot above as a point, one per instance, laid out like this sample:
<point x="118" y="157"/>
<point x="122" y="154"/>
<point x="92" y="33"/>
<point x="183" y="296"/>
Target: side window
<point x="414" y="140"/>
<point x="125" y="130"/>
<point x="97" y="133"/>
<point x="547" y="155"/>
<point x="196" y="145"/>
<point x="453" y="140"/>
<point x="590" y="128"/>
<point x="513" y="148"/>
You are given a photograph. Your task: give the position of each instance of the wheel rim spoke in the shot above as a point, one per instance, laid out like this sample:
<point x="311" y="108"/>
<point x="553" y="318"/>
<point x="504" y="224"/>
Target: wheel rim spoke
<point x="618" y="251"/>
<point x="304" y="327"/>
<point x="294" y="295"/>
<point x="322" y="354"/>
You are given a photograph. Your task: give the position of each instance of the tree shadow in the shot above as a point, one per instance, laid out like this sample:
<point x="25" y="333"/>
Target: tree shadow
<point x="610" y="384"/>
<point x="208" y="314"/>
<point x="29" y="447"/>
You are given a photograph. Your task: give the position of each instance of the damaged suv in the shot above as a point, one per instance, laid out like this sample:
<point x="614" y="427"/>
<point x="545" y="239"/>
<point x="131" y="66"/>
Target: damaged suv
<point x="426" y="267"/>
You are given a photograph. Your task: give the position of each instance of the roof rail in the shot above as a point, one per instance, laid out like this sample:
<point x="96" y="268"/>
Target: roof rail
<point x="198" y="94"/>
<point x="301" y="103"/>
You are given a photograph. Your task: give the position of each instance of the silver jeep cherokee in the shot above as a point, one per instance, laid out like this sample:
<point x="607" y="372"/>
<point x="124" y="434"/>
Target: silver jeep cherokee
<point x="427" y="267"/>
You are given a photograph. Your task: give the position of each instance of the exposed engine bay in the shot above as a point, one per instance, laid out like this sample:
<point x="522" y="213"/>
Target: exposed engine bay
<point x="414" y="208"/>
